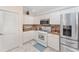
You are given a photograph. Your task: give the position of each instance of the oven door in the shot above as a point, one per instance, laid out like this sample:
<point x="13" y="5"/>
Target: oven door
<point x="42" y="38"/>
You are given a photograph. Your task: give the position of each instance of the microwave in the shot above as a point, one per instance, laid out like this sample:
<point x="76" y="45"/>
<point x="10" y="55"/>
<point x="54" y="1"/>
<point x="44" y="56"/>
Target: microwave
<point x="44" y="21"/>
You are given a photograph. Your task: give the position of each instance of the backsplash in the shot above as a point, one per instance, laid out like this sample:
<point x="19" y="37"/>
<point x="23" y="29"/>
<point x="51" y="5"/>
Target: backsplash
<point x="54" y="29"/>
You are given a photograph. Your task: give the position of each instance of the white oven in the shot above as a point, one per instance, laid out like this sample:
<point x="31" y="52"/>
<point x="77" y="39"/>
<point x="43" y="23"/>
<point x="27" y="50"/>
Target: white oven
<point x="42" y="38"/>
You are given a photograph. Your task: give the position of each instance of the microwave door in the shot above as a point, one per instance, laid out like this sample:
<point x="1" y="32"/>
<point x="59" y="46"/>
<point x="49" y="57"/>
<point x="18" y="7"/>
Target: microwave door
<point x="44" y="22"/>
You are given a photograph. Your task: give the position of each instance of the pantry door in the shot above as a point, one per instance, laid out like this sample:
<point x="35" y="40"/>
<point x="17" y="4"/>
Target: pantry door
<point x="9" y="31"/>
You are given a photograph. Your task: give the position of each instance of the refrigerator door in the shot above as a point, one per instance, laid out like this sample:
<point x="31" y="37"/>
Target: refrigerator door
<point x="68" y="19"/>
<point x="70" y="43"/>
<point x="67" y="49"/>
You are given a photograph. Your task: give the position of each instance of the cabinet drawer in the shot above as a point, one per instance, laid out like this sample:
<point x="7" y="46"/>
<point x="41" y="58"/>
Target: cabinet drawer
<point x="53" y="43"/>
<point x="54" y="46"/>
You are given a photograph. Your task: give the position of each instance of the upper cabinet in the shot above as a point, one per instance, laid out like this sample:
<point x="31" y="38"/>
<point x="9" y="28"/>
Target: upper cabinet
<point x="41" y="17"/>
<point x="55" y="18"/>
<point x="36" y="20"/>
<point x="28" y="19"/>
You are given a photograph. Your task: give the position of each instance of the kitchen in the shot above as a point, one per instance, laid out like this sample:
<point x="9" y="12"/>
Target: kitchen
<point x="53" y="21"/>
<point x="44" y="29"/>
<point x="43" y="26"/>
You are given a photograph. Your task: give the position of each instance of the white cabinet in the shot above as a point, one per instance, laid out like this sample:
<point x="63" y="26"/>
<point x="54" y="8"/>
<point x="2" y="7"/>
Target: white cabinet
<point x="55" y="18"/>
<point x="28" y="19"/>
<point x="9" y="34"/>
<point x="35" y="35"/>
<point x="27" y="36"/>
<point x="36" y="20"/>
<point x="53" y="41"/>
<point x="41" y="17"/>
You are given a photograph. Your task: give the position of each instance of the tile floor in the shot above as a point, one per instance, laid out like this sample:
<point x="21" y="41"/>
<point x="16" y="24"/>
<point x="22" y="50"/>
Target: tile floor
<point x="28" y="47"/>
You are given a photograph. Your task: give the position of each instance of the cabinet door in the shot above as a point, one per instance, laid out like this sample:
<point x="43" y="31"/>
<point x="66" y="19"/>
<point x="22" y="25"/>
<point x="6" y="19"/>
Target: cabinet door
<point x="27" y="36"/>
<point x="28" y="19"/>
<point x="35" y="35"/>
<point x="53" y="42"/>
<point x="55" y="18"/>
<point x="37" y="20"/>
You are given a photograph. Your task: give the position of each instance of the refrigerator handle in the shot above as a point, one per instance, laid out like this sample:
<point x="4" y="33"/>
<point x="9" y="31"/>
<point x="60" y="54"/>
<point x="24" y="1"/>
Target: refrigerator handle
<point x="1" y="33"/>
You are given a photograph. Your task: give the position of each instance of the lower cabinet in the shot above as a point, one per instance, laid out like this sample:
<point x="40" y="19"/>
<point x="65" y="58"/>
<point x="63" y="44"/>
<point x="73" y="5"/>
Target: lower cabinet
<point x="27" y="36"/>
<point x="53" y="41"/>
<point x="35" y="35"/>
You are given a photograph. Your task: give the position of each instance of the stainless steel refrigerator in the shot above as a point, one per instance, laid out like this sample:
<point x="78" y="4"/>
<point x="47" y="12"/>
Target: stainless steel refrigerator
<point x="69" y="32"/>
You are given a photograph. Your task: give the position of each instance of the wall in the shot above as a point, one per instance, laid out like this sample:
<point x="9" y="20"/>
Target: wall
<point x="19" y="11"/>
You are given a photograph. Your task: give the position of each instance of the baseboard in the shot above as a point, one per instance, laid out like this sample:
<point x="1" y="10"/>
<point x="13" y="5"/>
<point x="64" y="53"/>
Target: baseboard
<point x="12" y="49"/>
<point x="28" y="41"/>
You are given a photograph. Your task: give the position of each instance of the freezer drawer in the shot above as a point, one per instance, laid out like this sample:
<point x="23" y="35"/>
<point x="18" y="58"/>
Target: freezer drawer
<point x="70" y="43"/>
<point x="67" y="49"/>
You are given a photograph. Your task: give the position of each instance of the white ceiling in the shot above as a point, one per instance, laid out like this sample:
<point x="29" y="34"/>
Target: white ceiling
<point x="40" y="9"/>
